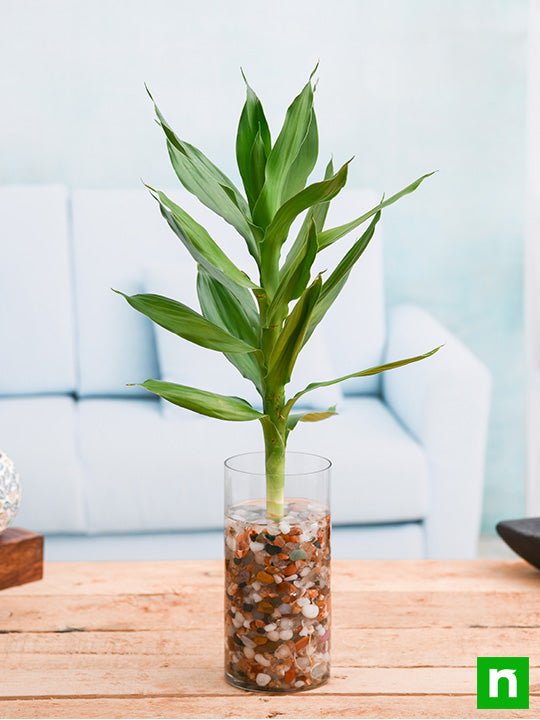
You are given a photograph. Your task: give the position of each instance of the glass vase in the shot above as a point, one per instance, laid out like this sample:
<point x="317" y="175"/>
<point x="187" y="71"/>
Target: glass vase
<point x="277" y="576"/>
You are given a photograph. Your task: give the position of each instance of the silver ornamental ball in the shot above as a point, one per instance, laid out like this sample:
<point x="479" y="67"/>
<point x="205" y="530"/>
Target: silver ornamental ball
<point x="10" y="491"/>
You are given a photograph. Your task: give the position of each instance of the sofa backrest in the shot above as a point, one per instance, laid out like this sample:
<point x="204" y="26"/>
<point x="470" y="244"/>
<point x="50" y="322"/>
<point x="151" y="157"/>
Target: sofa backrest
<point x="118" y="234"/>
<point x="37" y="329"/>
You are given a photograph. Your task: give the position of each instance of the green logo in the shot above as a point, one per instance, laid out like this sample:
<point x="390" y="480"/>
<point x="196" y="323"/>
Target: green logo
<point x="502" y="682"/>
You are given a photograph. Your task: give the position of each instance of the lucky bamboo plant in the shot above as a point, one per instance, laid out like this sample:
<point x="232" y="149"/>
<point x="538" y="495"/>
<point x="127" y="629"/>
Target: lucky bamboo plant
<point x="260" y="324"/>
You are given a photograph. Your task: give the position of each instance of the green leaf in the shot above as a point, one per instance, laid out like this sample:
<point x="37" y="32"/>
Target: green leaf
<point x="200" y="245"/>
<point x="238" y="316"/>
<point x="290" y="340"/>
<point x="305" y="161"/>
<point x="295" y="418"/>
<point x="283" y="155"/>
<point x="278" y="229"/>
<point x="253" y="145"/>
<point x="335" y="283"/>
<point x="337" y="280"/>
<point x="185" y="322"/>
<point x="317" y="214"/>
<point x="363" y="373"/>
<point x="295" y="277"/>
<point x="222" y="407"/>
<point x="208" y="183"/>
<point x="330" y="236"/>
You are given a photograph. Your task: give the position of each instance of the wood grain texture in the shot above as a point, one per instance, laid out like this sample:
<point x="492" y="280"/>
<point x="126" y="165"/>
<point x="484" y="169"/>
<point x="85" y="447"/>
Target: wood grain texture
<point x="21" y="557"/>
<point x="145" y="640"/>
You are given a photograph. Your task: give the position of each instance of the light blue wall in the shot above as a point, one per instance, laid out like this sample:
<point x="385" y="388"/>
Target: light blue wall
<point x="405" y="85"/>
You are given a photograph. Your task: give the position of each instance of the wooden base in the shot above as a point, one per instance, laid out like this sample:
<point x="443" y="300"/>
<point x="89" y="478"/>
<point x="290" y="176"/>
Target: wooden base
<point x="21" y="557"/>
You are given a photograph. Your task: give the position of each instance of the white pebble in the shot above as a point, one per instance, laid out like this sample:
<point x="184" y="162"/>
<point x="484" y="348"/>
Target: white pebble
<point x="302" y="601"/>
<point x="249" y="653"/>
<point x="247" y="624"/>
<point x="231" y="542"/>
<point x="286" y="634"/>
<point x="262" y="679"/>
<point x="299" y="684"/>
<point x="304" y="631"/>
<point x="256" y="546"/>
<point x="256" y="597"/>
<point x="284" y="609"/>
<point x="284" y="527"/>
<point x="321" y="630"/>
<point x="273" y="635"/>
<point x="286" y="623"/>
<point x="305" y="538"/>
<point x="270" y="627"/>
<point x="278" y="579"/>
<point x="256" y="586"/>
<point x="310" y="611"/>
<point x="262" y="660"/>
<point x="282" y="652"/>
<point x="291" y="578"/>
<point x="305" y="571"/>
<point x="302" y="662"/>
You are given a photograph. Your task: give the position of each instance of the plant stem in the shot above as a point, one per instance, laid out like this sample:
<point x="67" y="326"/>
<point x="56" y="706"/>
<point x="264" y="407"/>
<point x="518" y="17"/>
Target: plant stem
<point x="274" y="428"/>
<point x="275" y="481"/>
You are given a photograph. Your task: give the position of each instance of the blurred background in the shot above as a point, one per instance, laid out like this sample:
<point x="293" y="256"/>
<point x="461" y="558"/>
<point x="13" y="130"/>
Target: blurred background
<point x="407" y="86"/>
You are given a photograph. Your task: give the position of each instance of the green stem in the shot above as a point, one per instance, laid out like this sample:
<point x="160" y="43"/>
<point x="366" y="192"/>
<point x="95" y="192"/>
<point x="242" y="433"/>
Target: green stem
<point x="274" y="428"/>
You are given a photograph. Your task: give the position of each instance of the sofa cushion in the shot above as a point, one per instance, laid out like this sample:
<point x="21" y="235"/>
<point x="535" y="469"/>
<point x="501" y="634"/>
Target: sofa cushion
<point x="147" y="472"/>
<point x="39" y="434"/>
<point x="38" y="346"/>
<point x="183" y="362"/>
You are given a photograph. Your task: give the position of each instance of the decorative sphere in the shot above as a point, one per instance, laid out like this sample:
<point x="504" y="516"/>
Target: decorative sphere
<point x="10" y="491"/>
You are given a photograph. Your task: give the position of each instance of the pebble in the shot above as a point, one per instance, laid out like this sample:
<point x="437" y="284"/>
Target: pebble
<point x="284" y="609"/>
<point x="282" y="652"/>
<point x="299" y="684"/>
<point x="302" y="601"/>
<point x="256" y="546"/>
<point x="291" y="578"/>
<point x="273" y="635"/>
<point x="270" y="627"/>
<point x="284" y="527"/>
<point x="262" y="679"/>
<point x="278" y="579"/>
<point x="249" y="652"/>
<point x="262" y="660"/>
<point x="286" y="634"/>
<point x="298" y="555"/>
<point x="310" y="611"/>
<point x="317" y="671"/>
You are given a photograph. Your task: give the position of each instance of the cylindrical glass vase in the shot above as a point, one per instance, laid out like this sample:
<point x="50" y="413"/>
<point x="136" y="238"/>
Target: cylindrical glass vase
<point x="277" y="576"/>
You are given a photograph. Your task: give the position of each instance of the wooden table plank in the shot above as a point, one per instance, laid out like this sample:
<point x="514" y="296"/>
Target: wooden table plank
<point x="144" y="640"/>
<point x="254" y="706"/>
<point x="352" y="647"/>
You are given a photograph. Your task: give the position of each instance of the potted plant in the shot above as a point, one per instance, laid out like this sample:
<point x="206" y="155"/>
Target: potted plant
<point x="277" y="609"/>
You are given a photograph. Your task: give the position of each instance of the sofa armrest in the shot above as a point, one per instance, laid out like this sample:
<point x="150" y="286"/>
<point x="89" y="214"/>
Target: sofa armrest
<point x="444" y="402"/>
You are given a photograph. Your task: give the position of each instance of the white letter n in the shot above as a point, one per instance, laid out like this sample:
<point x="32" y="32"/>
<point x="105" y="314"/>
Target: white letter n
<point x="496" y="675"/>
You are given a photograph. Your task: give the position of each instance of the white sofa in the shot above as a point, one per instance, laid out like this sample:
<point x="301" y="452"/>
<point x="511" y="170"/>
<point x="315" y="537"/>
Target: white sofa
<point x="110" y="472"/>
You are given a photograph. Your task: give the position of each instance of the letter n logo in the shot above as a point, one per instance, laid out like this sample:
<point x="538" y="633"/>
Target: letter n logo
<point x="502" y="682"/>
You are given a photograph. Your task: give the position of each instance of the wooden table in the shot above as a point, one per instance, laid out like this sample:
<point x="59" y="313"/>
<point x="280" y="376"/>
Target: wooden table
<point x="145" y="640"/>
